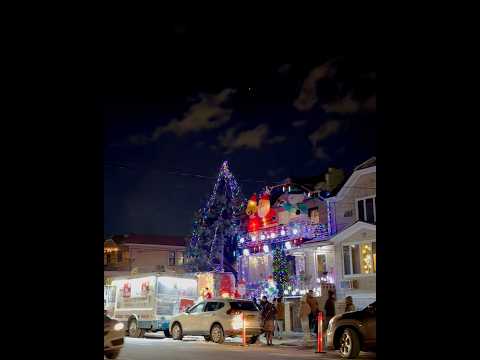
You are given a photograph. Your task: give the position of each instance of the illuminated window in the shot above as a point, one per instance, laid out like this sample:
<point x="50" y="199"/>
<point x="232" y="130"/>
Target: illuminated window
<point x="171" y="258"/>
<point x="321" y="265"/>
<point x="360" y="258"/>
<point x="180" y="258"/>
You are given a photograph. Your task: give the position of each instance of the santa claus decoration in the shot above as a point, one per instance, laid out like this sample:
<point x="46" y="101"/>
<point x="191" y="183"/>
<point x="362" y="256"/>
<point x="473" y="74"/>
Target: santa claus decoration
<point x="264" y="205"/>
<point x="254" y="224"/>
<point x="270" y="219"/>
<point x="252" y="206"/>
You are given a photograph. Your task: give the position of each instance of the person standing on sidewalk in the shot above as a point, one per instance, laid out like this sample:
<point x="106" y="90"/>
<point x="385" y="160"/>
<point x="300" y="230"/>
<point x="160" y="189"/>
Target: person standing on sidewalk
<point x="329" y="309"/>
<point x="315" y="308"/>
<point x="268" y="313"/>
<point x="349" y="306"/>
<point x="280" y="318"/>
<point x="305" y="311"/>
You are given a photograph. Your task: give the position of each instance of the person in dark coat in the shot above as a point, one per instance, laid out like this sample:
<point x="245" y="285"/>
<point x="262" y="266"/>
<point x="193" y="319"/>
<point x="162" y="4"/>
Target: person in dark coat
<point x="312" y="317"/>
<point x="329" y="309"/>
<point x="268" y="315"/>
<point x="349" y="305"/>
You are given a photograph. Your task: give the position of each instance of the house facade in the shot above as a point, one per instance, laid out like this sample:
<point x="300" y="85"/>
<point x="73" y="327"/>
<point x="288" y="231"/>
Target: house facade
<point x="327" y="229"/>
<point x="354" y="236"/>
<point x="143" y="254"/>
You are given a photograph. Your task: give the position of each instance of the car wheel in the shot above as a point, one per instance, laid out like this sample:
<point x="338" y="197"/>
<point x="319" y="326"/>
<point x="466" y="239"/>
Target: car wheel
<point x="207" y="338"/>
<point x="167" y="333"/>
<point x="112" y="354"/>
<point x="134" y="330"/>
<point x="217" y="335"/>
<point x="177" y="332"/>
<point x="349" y="344"/>
<point x="252" y="340"/>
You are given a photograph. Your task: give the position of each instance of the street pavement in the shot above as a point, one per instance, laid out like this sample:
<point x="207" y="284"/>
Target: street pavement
<point x="192" y="347"/>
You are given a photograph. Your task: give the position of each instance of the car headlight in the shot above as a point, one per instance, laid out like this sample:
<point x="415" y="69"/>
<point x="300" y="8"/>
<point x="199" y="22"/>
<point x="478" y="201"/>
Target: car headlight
<point x="118" y="326"/>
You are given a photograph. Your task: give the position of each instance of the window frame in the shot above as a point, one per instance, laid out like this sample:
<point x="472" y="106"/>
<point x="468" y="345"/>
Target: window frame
<point x="317" y="254"/>
<point x="374" y="197"/>
<point x="349" y="244"/>
<point x="170" y="252"/>
<point x="218" y="307"/>
<point x="181" y="256"/>
<point x="203" y="303"/>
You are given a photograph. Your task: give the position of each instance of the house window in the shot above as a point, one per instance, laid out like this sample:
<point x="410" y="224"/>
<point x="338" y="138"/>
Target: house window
<point x="360" y="258"/>
<point x="171" y="258"/>
<point x="366" y="210"/>
<point x="314" y="215"/>
<point x="347" y="264"/>
<point x="321" y="265"/>
<point x="120" y="256"/>
<point x="109" y="258"/>
<point x="180" y="258"/>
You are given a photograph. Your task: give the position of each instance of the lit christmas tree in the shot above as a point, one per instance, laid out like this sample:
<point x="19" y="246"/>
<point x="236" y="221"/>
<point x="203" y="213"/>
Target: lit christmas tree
<point x="215" y="228"/>
<point x="280" y="270"/>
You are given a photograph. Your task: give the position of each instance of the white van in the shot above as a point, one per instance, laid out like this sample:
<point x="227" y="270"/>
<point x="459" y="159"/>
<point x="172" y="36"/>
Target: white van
<point x="148" y="301"/>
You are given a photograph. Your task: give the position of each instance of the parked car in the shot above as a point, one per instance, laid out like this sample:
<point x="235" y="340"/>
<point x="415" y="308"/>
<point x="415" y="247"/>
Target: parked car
<point x="352" y="332"/>
<point x="216" y="319"/>
<point x="113" y="335"/>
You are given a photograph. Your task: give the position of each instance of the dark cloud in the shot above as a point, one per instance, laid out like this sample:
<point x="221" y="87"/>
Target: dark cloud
<point x="326" y="130"/>
<point x="345" y="105"/>
<point x="299" y="123"/>
<point x="277" y="140"/>
<point x="371" y="104"/>
<point x="205" y="114"/>
<point x="247" y="139"/>
<point x="308" y="95"/>
<point x="284" y="68"/>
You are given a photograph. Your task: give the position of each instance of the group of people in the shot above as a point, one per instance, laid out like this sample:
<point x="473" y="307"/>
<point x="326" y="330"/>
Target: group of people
<point x="273" y="314"/>
<point x="273" y="317"/>
<point x="309" y="310"/>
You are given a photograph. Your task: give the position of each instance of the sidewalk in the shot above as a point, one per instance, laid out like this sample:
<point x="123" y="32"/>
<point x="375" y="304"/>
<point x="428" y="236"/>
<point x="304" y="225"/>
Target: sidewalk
<point x="293" y="339"/>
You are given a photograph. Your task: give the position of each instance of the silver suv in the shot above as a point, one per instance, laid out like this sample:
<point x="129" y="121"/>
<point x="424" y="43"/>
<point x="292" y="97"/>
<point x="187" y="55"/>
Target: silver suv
<point x="216" y="319"/>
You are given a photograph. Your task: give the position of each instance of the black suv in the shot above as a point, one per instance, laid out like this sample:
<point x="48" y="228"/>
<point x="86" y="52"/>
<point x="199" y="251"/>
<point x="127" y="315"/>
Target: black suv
<point x="352" y="332"/>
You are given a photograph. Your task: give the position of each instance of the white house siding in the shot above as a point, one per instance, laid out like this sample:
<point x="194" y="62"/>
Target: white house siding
<point x="361" y="184"/>
<point x="345" y="206"/>
<point x="365" y="293"/>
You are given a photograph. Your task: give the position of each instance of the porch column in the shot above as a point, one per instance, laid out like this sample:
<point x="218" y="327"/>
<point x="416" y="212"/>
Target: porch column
<point x="288" y="320"/>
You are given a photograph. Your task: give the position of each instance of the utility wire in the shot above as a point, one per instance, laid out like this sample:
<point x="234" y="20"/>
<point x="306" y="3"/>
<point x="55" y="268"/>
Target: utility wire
<point x="186" y="174"/>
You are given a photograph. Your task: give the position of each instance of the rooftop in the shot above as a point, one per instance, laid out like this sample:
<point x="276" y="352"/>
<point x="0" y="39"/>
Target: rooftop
<point x="150" y="239"/>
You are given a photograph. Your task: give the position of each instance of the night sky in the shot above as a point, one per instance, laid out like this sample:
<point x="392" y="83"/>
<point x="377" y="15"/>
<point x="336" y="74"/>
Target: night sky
<point x="164" y="144"/>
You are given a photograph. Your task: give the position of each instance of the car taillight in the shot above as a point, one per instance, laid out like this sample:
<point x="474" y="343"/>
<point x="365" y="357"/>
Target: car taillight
<point x="233" y="312"/>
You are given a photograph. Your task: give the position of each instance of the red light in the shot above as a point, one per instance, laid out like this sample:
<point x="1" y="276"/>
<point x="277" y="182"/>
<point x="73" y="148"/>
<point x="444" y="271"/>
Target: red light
<point x="233" y="312"/>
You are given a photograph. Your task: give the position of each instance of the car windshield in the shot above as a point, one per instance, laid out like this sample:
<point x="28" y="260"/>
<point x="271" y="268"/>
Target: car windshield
<point x="243" y="305"/>
<point x="106" y="318"/>
<point x="372" y="306"/>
